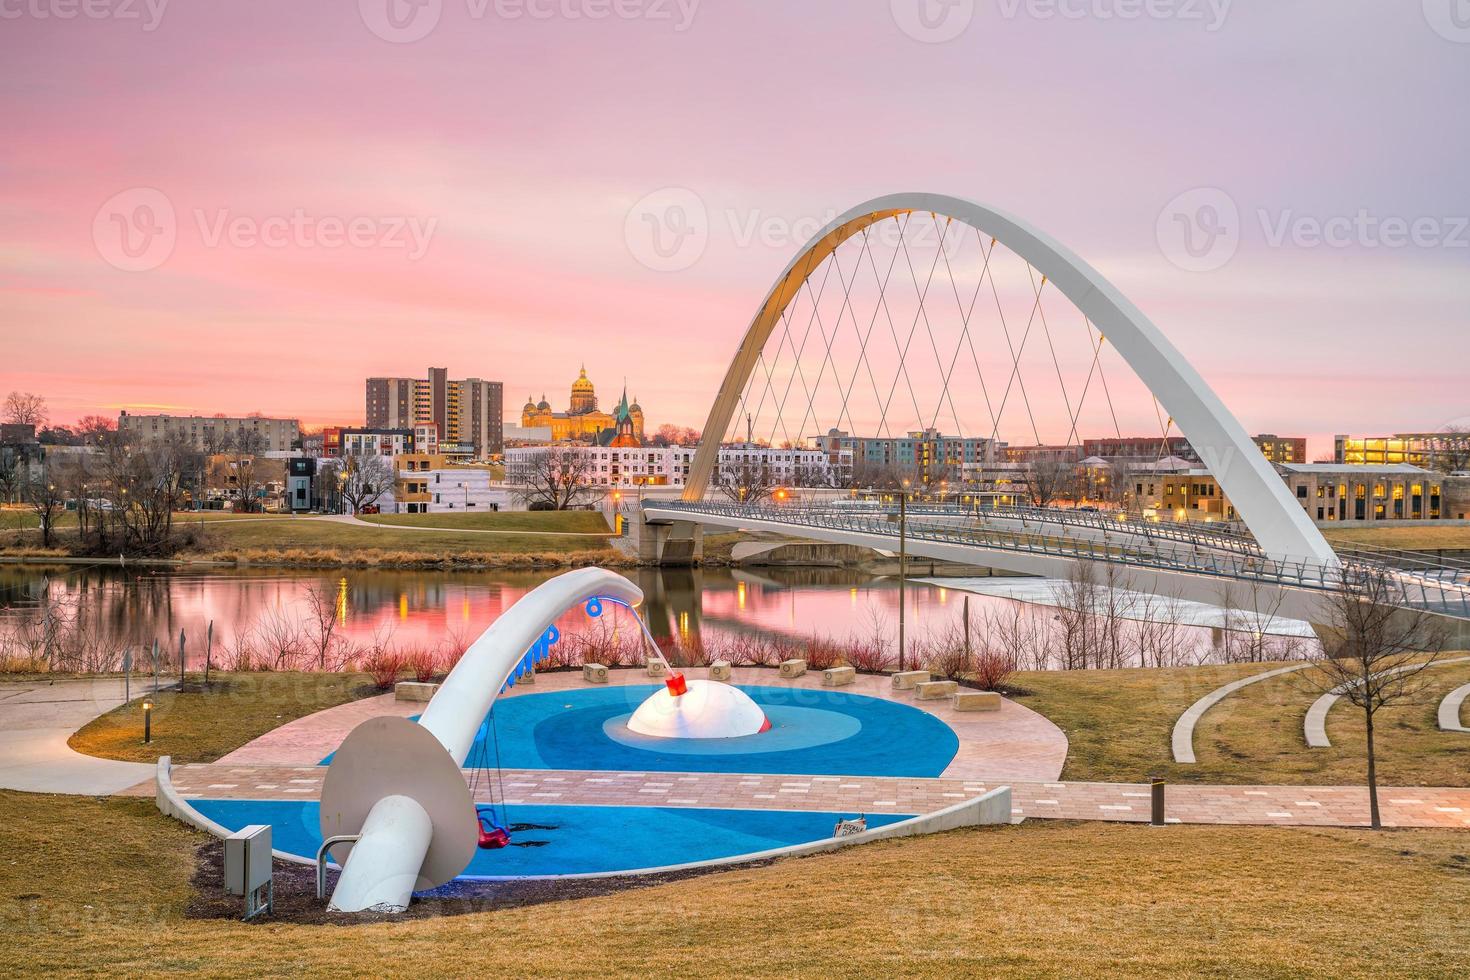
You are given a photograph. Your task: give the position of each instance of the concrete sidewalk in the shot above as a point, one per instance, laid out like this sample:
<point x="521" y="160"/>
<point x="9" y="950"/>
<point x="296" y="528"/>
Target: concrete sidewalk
<point x="37" y="718"/>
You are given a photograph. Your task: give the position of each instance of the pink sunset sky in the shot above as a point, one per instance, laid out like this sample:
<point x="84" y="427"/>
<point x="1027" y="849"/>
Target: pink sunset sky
<point x="517" y="137"/>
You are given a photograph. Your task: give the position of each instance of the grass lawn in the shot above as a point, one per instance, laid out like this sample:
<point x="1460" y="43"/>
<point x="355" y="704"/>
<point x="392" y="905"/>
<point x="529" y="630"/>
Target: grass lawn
<point x="541" y="521"/>
<point x="1119" y="724"/>
<point x="200" y="725"/>
<point x="101" y="886"/>
<point x="350" y="538"/>
<point x="1427" y="537"/>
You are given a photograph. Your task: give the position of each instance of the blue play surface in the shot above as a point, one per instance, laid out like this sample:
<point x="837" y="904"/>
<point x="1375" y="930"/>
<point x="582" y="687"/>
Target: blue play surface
<point x="557" y="840"/>
<point x="814" y="732"/>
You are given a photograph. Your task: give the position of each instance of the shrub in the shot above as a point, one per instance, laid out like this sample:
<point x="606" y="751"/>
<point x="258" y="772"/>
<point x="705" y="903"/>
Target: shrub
<point x="384" y="666"/>
<point x="991" y="669"/>
<point x="424" y="664"/>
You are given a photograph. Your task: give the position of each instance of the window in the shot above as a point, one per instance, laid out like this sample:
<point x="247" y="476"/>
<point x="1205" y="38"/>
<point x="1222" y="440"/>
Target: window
<point x="1301" y="491"/>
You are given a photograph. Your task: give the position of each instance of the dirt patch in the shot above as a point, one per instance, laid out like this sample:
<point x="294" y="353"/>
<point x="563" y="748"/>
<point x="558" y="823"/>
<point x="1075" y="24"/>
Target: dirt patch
<point x="296" y="901"/>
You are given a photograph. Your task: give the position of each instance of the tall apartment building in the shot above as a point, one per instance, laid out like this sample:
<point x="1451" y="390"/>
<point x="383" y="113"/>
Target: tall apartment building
<point x="212" y="433"/>
<point x="1281" y="449"/>
<point x="468" y="412"/>
<point x="928" y="455"/>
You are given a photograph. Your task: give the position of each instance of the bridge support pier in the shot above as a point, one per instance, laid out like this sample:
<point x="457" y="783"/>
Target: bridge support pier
<point x="668" y="543"/>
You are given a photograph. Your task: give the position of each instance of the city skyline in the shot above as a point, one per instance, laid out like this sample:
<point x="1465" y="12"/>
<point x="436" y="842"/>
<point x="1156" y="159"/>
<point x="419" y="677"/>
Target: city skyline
<point x="492" y="244"/>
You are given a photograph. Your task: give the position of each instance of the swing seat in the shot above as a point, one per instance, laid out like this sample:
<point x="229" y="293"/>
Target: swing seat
<point x="492" y="837"/>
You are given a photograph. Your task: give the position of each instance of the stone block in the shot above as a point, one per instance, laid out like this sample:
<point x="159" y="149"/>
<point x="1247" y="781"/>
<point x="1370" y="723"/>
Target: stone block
<point x="792" y="668"/>
<point x="976" y="701"/>
<point x="720" y="671"/>
<point x="934" y="690"/>
<point x="907" y="680"/>
<point x="594" y="673"/>
<point x="413" y="691"/>
<point x="838" y="676"/>
<point x="657" y="668"/>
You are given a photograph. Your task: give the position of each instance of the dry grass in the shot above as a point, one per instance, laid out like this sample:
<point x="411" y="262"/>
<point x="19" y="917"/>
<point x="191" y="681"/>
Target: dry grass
<point x="1043" y="898"/>
<point x="1422" y="537"/>
<point x="1119" y="724"/>
<point x="534" y="522"/>
<point x="201" y="724"/>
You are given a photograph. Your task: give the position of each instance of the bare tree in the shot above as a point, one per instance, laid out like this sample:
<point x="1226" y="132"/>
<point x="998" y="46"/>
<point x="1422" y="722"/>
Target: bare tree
<point x="746" y="481"/>
<point x="1373" y="652"/>
<point x="1452" y="449"/>
<point x="10" y="474"/>
<point x="246" y="447"/>
<point x="48" y="500"/>
<point x="557" y="478"/>
<point x="362" y="479"/>
<point x="25" y="408"/>
<point x="1050" y="480"/>
<point x="321" y="624"/>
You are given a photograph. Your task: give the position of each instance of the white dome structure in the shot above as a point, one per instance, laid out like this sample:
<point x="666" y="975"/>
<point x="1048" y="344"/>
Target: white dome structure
<point x="708" y="709"/>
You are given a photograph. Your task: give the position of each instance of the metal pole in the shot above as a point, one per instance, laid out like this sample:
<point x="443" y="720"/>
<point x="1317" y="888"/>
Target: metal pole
<point x="1156" y="813"/>
<point x="903" y="531"/>
<point x="181" y="656"/>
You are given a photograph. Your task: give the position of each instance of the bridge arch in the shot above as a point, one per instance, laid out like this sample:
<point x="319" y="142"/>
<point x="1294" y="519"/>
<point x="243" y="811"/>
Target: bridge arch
<point x="1259" y="495"/>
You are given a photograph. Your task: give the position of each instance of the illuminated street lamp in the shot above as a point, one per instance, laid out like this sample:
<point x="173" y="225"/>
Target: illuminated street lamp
<point x="147" y="720"/>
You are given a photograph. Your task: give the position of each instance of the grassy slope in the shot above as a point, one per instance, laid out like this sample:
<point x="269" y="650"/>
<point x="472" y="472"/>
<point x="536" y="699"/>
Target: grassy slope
<point x="1044" y="898"/>
<point x="569" y="521"/>
<point x="1408" y="538"/>
<point x="202" y="725"/>
<point x="352" y="538"/>
<point x="1119" y="725"/>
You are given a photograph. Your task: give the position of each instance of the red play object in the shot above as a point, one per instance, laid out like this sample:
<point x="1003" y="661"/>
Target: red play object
<point x="677" y="685"/>
<point x="492" y="837"/>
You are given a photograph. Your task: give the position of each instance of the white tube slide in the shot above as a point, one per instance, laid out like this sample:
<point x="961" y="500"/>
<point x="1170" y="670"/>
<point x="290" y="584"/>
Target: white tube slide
<point x="401" y="786"/>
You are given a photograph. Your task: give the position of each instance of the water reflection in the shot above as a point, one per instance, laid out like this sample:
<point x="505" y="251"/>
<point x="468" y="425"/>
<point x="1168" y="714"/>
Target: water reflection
<point x="412" y="609"/>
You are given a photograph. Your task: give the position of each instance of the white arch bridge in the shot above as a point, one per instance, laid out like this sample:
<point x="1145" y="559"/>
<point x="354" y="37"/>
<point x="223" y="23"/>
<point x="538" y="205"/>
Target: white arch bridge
<point x="797" y="364"/>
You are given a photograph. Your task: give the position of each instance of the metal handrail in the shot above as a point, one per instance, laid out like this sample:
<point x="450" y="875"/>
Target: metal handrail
<point x="1256" y="567"/>
<point x="321" y="860"/>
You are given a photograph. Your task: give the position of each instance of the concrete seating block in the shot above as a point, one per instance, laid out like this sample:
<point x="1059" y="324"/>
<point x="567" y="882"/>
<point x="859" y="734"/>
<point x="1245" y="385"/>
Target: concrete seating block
<point x="413" y="691"/>
<point x="934" y="690"/>
<point x="838" y="676"/>
<point x="976" y="701"/>
<point x="529" y="677"/>
<point x="907" y="680"/>
<point x="657" y="668"/>
<point x="594" y="673"/>
<point x="720" y="671"/>
<point x="792" y="668"/>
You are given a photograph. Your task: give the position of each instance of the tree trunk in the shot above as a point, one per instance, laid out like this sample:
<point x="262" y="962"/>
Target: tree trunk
<point x="1374" y="820"/>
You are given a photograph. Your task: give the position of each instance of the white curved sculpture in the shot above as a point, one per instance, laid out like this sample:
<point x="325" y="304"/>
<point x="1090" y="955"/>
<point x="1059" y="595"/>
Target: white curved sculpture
<point x="708" y="709"/>
<point x="400" y="785"/>
<point x="1258" y="494"/>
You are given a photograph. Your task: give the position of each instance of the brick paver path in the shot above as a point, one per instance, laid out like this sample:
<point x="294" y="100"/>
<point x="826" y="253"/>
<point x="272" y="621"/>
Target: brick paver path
<point x="1319" y="806"/>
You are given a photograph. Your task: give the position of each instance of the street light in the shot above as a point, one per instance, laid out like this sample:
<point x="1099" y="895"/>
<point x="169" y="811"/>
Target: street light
<point x="147" y="720"/>
<point x="903" y="551"/>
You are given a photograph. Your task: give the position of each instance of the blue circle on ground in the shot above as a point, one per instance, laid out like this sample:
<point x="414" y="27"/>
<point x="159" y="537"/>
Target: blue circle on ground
<point x="815" y="732"/>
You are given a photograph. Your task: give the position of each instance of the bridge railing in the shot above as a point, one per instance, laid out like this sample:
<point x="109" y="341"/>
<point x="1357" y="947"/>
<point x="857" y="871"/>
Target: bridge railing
<point x="1415" y="590"/>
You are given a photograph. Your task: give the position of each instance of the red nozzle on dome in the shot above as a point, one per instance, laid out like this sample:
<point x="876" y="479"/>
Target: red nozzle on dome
<point x="677" y="685"/>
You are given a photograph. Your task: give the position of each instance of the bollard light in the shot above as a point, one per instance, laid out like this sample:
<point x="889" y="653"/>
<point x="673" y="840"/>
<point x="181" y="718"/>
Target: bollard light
<point x="1156" y="793"/>
<point x="147" y="720"/>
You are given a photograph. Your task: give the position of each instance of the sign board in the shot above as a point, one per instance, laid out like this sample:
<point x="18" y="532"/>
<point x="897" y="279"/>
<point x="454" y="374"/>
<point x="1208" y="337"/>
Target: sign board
<point x="847" y="828"/>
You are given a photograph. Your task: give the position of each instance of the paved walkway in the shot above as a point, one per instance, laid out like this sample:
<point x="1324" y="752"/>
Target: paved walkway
<point x="1315" y="726"/>
<point x="37" y="718"/>
<point x="1317" y="806"/>
<point x="1449" y="710"/>
<point x="1014" y="743"/>
<point x="1183" y="740"/>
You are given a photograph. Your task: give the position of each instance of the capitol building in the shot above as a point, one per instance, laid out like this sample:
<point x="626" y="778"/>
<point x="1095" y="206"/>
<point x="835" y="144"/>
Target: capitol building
<point x="582" y="421"/>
